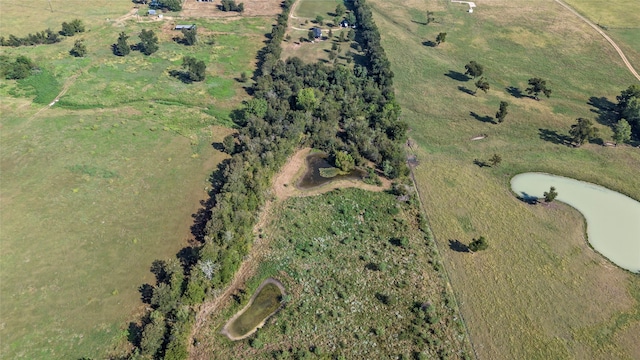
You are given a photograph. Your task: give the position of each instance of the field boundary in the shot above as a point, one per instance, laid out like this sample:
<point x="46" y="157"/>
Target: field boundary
<point x="437" y="250"/>
<point x="615" y="46"/>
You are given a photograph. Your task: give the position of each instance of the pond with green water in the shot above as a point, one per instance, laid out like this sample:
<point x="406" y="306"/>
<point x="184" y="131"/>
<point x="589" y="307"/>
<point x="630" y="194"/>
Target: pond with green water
<point x="613" y="219"/>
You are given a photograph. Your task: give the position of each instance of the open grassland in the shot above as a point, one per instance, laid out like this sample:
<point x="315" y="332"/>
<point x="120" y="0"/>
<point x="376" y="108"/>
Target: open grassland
<point x="312" y="8"/>
<point x="23" y="17"/>
<point x="361" y="281"/>
<point x="539" y="291"/>
<point x="609" y="13"/>
<point x="96" y="187"/>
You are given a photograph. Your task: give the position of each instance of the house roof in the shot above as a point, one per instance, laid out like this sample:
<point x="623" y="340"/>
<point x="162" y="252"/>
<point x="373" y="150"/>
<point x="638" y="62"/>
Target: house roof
<point x="152" y="12"/>
<point x="188" y="27"/>
<point x="317" y="32"/>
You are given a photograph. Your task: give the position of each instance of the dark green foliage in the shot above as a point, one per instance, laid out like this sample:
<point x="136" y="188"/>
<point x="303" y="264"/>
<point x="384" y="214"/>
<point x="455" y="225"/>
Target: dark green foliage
<point x="79" y="49"/>
<point x="478" y="244"/>
<point x="43" y="37"/>
<point x="340" y="10"/>
<point x="230" y="5"/>
<point x="537" y="86"/>
<point x="196" y="69"/>
<point x="628" y="108"/>
<point x="20" y="68"/>
<point x="502" y="112"/>
<point x="440" y="38"/>
<point x="482" y="84"/>
<point x="153" y="335"/>
<point x="320" y="20"/>
<point x="148" y="42"/>
<point x="343" y="161"/>
<point x="495" y="160"/>
<point x="190" y="36"/>
<point x="311" y="35"/>
<point x="72" y="28"/>
<point x="621" y="132"/>
<point x="171" y="5"/>
<point x="351" y="35"/>
<point x="550" y="195"/>
<point x="473" y="69"/>
<point x="229" y="144"/>
<point x="582" y="131"/>
<point x="121" y="48"/>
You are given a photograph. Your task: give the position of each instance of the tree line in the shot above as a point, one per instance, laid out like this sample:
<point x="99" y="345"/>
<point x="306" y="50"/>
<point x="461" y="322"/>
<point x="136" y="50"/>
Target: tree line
<point x="333" y="108"/>
<point x="47" y="36"/>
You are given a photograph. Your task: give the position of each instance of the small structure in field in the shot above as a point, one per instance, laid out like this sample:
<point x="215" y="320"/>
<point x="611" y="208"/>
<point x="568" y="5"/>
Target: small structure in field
<point x="317" y="32"/>
<point x="185" y="27"/>
<point x="152" y="12"/>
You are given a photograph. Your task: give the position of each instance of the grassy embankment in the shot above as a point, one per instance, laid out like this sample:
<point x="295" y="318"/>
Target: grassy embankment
<point x="539" y="291"/>
<point x="101" y="184"/>
<point x="353" y="283"/>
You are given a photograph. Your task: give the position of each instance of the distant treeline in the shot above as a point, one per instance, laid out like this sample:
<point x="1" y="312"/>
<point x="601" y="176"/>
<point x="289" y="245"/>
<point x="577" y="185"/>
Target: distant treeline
<point x="44" y="37"/>
<point x="333" y="108"/>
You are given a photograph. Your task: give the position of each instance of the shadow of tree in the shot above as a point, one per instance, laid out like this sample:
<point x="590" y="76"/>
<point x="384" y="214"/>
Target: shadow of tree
<point x="480" y="163"/>
<point x="202" y="216"/>
<point x="515" y="92"/>
<point x="134" y="334"/>
<point x="181" y="75"/>
<point x="554" y="137"/>
<point x="485" y="119"/>
<point x="429" y="43"/>
<point x="606" y="110"/>
<point x="529" y="199"/>
<point x="457" y="246"/>
<point x="465" y="90"/>
<point x="146" y="293"/>
<point x="458" y="76"/>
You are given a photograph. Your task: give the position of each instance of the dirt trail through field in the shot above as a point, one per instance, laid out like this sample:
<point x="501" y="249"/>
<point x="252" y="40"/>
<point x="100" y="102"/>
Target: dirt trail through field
<point x="597" y="28"/>
<point x="283" y="188"/>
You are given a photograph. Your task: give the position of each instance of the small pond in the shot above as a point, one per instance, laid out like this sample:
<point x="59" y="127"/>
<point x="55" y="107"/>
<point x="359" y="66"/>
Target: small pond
<point x="613" y="219"/>
<point x="313" y="176"/>
<point x="265" y="302"/>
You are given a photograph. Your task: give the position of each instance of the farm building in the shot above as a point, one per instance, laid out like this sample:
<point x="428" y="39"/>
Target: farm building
<point x="317" y="32"/>
<point x="185" y="27"/>
<point x="152" y="12"/>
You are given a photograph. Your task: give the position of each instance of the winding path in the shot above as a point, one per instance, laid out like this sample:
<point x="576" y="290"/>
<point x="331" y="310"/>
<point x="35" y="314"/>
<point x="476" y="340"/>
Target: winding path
<point x="597" y="28"/>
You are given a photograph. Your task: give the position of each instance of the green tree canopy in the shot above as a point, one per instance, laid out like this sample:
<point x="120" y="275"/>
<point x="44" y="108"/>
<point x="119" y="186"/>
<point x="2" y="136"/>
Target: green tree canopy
<point x="344" y="161"/>
<point x="478" y="244"/>
<point x="474" y="69"/>
<point x="148" y="42"/>
<point x="502" y="112"/>
<point x="79" y="49"/>
<point x="582" y="131"/>
<point x="340" y="10"/>
<point x="550" y="195"/>
<point x="622" y="132"/>
<point x="483" y="85"/>
<point x="306" y="99"/>
<point x="121" y="48"/>
<point x="537" y="86"/>
<point x="190" y="36"/>
<point x="441" y="38"/>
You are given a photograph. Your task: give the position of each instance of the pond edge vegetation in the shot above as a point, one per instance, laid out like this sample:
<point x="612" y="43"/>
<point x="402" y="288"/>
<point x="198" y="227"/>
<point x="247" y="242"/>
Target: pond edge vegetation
<point x="293" y="105"/>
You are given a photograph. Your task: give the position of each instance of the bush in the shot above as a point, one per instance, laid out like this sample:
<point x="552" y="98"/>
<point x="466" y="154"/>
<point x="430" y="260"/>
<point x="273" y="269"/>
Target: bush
<point x="478" y="244"/>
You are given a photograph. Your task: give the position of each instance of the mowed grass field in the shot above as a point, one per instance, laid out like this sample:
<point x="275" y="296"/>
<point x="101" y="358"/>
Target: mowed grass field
<point x="539" y="291"/>
<point x="354" y="288"/>
<point x="96" y="187"/>
<point x="312" y="8"/>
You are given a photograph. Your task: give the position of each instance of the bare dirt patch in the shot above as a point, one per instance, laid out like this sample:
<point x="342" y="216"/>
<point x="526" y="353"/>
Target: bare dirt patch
<point x="196" y="9"/>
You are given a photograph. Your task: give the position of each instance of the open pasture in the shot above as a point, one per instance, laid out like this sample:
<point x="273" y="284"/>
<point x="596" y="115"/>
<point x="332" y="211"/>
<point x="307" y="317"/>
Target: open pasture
<point x="362" y="282"/>
<point x="539" y="291"/>
<point x="23" y="17"/>
<point x="312" y="8"/>
<point x="102" y="183"/>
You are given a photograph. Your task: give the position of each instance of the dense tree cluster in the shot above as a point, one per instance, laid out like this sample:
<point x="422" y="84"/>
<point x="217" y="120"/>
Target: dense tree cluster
<point x="72" y="28"/>
<point x="628" y="108"/>
<point x="19" y="68"/>
<point x="171" y="5"/>
<point x="79" y="49"/>
<point x="230" y="5"/>
<point x="196" y="69"/>
<point x="347" y="112"/>
<point x="148" y="42"/>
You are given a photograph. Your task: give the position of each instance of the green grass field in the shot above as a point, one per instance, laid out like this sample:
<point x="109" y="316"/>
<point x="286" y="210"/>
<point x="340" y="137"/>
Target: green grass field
<point x="312" y="8"/>
<point x="352" y="284"/>
<point x="618" y="14"/>
<point x="104" y="182"/>
<point x="539" y="291"/>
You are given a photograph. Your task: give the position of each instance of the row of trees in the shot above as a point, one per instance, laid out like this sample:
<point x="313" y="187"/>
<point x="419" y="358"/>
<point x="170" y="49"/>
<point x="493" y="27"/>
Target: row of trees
<point x="44" y="37"/>
<point x="230" y="5"/>
<point x="348" y="112"/>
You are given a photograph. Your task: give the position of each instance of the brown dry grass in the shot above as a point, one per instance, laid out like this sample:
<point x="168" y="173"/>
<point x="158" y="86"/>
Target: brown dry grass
<point x="195" y="9"/>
